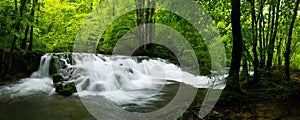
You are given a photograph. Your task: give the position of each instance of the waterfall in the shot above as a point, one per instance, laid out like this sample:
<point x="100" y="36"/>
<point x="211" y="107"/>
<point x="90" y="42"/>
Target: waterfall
<point x="121" y="79"/>
<point x="43" y="70"/>
<point x="38" y="82"/>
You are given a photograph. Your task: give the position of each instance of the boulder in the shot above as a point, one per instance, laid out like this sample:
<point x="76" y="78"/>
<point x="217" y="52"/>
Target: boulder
<point x="52" y="67"/>
<point x="63" y="87"/>
<point x="57" y="78"/>
<point x="130" y="70"/>
<point x="55" y="65"/>
<point x="66" y="89"/>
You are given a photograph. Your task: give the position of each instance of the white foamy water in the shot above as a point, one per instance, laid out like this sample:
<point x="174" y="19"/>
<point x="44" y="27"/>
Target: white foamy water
<point x="28" y="86"/>
<point x="120" y="79"/>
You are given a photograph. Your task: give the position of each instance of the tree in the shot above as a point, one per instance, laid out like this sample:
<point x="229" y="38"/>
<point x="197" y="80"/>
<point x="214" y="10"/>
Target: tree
<point x="17" y="28"/>
<point x="254" y="38"/>
<point x="237" y="46"/>
<point x="143" y="16"/>
<point x="288" y="45"/>
<point x="24" y="40"/>
<point x="34" y="3"/>
<point x="273" y="37"/>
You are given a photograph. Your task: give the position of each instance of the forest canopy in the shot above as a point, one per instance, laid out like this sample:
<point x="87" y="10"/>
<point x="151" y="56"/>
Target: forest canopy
<point x="52" y="26"/>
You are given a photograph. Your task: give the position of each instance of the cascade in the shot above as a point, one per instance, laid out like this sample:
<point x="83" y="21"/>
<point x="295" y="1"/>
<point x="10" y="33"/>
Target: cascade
<point x="121" y="79"/>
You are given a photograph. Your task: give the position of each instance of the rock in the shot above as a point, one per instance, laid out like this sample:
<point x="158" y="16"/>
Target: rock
<point x="55" y="65"/>
<point x="85" y="83"/>
<point x="57" y="78"/>
<point x="65" y="90"/>
<point x="52" y="67"/>
<point x="63" y="87"/>
<point x="130" y="70"/>
<point x="68" y="57"/>
<point x="69" y="89"/>
<point x="58" y="87"/>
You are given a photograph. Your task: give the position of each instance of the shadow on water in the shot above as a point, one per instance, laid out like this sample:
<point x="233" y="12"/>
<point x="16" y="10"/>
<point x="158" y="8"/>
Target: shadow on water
<point x="55" y="107"/>
<point x="40" y="106"/>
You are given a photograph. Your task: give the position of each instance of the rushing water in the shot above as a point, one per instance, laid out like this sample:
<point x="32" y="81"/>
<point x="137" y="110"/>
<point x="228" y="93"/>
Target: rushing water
<point x="131" y="83"/>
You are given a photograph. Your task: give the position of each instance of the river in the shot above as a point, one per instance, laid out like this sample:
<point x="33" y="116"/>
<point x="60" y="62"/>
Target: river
<point x="115" y="84"/>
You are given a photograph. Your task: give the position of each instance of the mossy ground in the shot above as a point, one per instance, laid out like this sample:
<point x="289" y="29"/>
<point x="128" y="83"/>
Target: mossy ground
<point x="271" y="98"/>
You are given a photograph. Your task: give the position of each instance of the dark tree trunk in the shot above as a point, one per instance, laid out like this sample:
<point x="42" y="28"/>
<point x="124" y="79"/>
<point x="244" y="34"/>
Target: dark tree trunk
<point x="37" y="15"/>
<point x="272" y="40"/>
<point x="244" y="71"/>
<point x="144" y="16"/>
<point x="17" y="29"/>
<point x="30" y="39"/>
<point x="279" y="47"/>
<point x="16" y="5"/>
<point x="262" y="59"/>
<point x="279" y="52"/>
<point x="261" y="35"/>
<point x="269" y="21"/>
<point x="237" y="46"/>
<point x="34" y="3"/>
<point x="1" y="61"/>
<point x="288" y="45"/>
<point x="91" y="7"/>
<point x="254" y="37"/>
<point x="24" y="40"/>
<point x="140" y="20"/>
<point x="150" y="19"/>
<point x="22" y="9"/>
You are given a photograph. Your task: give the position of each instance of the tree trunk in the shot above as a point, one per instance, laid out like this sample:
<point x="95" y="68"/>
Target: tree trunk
<point x="150" y="19"/>
<point x="254" y="38"/>
<point x="261" y="35"/>
<point x="144" y="16"/>
<point x="288" y="45"/>
<point x="244" y="71"/>
<point x="279" y="52"/>
<point x="237" y="46"/>
<point x="152" y="26"/>
<point x="31" y="27"/>
<point x="272" y="40"/>
<point x="269" y="22"/>
<point x="24" y="40"/>
<point x="91" y="7"/>
<point x="262" y="59"/>
<point x="22" y="9"/>
<point x="140" y="20"/>
<point x="279" y="46"/>
<point x="1" y="62"/>
<point x="17" y="29"/>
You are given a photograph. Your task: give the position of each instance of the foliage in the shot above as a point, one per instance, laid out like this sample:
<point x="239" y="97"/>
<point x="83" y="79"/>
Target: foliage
<point x="57" y="23"/>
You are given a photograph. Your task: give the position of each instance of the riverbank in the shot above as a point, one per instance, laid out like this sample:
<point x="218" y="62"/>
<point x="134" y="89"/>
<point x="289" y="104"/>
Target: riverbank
<point x="22" y="65"/>
<point x="269" y="99"/>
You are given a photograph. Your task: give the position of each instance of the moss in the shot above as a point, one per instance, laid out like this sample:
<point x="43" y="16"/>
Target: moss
<point x="58" y="87"/>
<point x="69" y="89"/>
<point x="52" y="67"/>
<point x="65" y="90"/>
<point x="57" y="78"/>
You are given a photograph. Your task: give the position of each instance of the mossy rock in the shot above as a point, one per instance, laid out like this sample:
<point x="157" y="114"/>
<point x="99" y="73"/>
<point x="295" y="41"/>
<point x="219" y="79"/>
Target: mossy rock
<point x="52" y="67"/>
<point x="65" y="90"/>
<point x="130" y="70"/>
<point x="57" y="78"/>
<point x="58" y="87"/>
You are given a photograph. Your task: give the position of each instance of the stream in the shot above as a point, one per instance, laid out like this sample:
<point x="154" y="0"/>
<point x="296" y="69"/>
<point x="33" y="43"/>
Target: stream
<point x="109" y="84"/>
